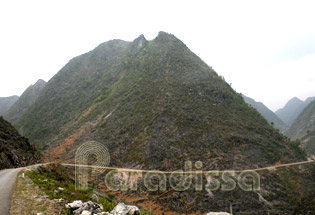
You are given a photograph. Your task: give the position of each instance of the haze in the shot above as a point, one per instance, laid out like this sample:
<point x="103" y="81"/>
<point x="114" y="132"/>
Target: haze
<point x="266" y="49"/>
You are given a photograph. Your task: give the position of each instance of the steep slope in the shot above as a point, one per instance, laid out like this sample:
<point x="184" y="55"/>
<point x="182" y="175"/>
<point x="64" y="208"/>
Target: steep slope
<point x="304" y="128"/>
<point x="267" y="113"/>
<point x="292" y="109"/>
<point x="15" y="150"/>
<point x="6" y="103"/>
<point x="25" y="101"/>
<point x="151" y="102"/>
<point x="155" y="105"/>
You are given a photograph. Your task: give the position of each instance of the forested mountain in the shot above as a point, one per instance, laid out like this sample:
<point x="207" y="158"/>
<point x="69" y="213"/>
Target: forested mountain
<point x="25" y="101"/>
<point x="155" y="105"/>
<point x="6" y="103"/>
<point x="271" y="117"/>
<point x="146" y="98"/>
<point x="304" y="128"/>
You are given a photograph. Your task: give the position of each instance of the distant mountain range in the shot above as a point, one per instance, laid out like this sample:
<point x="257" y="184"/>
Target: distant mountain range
<point x="271" y="117"/>
<point x="292" y="109"/>
<point x="6" y="103"/>
<point x="304" y="128"/>
<point x="25" y="101"/>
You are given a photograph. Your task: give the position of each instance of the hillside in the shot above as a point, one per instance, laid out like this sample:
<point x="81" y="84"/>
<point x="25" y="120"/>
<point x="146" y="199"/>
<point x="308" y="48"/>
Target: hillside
<point x="6" y="103"/>
<point x="153" y="98"/>
<point x="267" y="113"/>
<point x="304" y="128"/>
<point x="292" y="109"/>
<point x="25" y="101"/>
<point x="15" y="150"/>
<point x="155" y="105"/>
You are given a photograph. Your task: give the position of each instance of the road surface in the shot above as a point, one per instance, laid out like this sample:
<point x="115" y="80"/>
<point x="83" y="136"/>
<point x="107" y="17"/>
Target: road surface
<point x="7" y="181"/>
<point x="191" y="172"/>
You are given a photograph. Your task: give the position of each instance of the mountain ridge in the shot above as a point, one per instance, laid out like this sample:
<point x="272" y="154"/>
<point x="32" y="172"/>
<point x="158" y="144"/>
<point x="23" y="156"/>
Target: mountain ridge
<point x="154" y="105"/>
<point x="303" y="128"/>
<point x="25" y="101"/>
<point x="292" y="109"/>
<point x="267" y="113"/>
<point x="131" y="89"/>
<point x="6" y="103"/>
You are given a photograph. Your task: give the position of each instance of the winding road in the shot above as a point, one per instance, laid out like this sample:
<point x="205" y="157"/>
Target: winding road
<point x="7" y="181"/>
<point x="8" y="177"/>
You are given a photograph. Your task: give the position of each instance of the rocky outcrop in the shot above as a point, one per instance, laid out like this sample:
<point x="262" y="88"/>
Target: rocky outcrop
<point x="91" y="208"/>
<point x="123" y="209"/>
<point x="15" y="150"/>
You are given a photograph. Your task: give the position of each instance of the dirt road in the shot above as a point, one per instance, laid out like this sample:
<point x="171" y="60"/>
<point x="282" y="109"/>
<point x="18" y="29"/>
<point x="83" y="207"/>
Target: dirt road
<point x="7" y="181"/>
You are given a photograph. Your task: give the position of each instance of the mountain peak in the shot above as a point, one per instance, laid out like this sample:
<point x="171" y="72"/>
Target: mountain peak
<point x="40" y="81"/>
<point x="295" y="99"/>
<point x="25" y="101"/>
<point x="140" y="41"/>
<point x="164" y="35"/>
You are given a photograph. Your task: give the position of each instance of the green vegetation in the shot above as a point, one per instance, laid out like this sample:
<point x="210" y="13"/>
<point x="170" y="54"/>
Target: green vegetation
<point x="56" y="184"/>
<point x="53" y="180"/>
<point x="147" y="101"/>
<point x="29" y="199"/>
<point x="155" y="107"/>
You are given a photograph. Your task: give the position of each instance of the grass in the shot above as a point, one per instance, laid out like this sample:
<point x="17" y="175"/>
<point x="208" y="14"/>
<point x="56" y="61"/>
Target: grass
<point x="52" y="177"/>
<point x="29" y="199"/>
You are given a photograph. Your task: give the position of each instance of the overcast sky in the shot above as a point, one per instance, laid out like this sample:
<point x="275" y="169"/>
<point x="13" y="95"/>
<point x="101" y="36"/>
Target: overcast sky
<point x="266" y="49"/>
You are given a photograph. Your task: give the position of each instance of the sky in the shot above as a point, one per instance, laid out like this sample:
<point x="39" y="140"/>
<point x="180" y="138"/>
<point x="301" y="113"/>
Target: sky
<point x="265" y="49"/>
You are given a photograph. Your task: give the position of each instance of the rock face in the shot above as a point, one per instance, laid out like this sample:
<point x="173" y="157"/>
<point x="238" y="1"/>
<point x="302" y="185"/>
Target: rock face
<point x="15" y="150"/>
<point x="6" y="103"/>
<point x="270" y="116"/>
<point x="303" y="129"/>
<point x="25" y="101"/>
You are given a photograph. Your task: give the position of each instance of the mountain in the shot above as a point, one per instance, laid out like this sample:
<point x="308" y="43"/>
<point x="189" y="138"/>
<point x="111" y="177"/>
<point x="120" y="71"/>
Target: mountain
<point x="154" y="105"/>
<point x="303" y="128"/>
<point x="292" y="109"/>
<point x="6" y="103"/>
<point x="15" y="150"/>
<point x="152" y="98"/>
<point x="25" y="101"/>
<point x="267" y="113"/>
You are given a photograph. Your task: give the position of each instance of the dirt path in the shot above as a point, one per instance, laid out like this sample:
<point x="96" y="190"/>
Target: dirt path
<point x="193" y="172"/>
